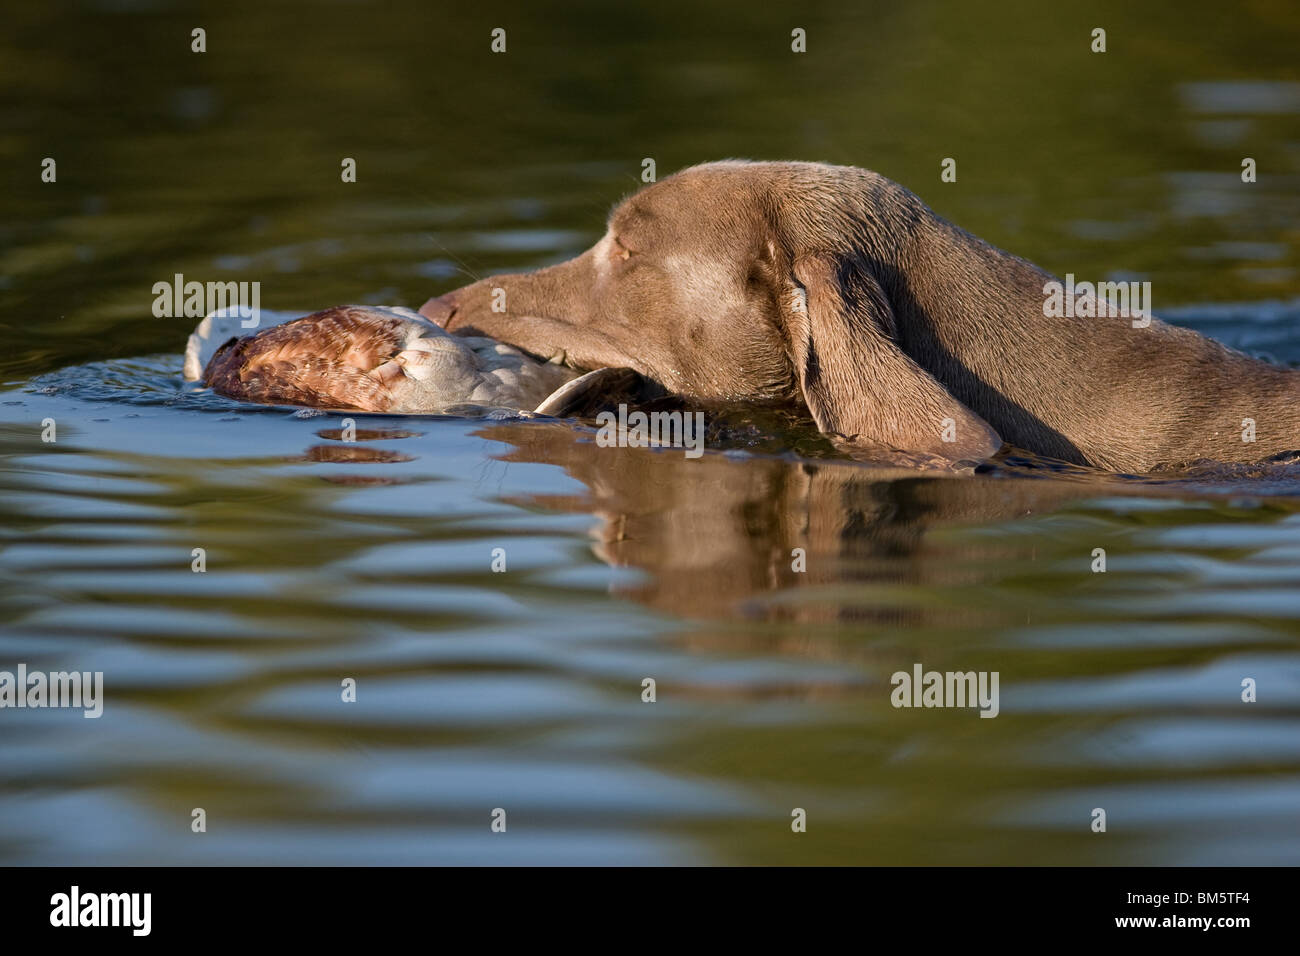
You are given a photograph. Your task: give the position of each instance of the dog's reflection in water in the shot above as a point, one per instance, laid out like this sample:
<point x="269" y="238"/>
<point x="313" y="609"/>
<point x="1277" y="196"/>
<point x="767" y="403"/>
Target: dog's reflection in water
<point x="721" y="536"/>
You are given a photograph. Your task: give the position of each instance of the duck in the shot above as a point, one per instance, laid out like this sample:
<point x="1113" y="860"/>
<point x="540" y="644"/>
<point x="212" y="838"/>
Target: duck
<point x="386" y="359"/>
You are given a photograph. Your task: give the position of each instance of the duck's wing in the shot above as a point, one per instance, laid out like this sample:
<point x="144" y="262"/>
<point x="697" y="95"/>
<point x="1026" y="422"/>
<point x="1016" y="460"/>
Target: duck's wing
<point x="346" y="357"/>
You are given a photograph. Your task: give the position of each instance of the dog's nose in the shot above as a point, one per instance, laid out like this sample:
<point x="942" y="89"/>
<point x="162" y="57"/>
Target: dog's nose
<point x="441" y="310"/>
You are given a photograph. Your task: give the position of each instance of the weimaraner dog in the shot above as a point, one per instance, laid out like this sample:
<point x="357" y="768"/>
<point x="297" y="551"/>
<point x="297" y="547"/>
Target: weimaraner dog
<point x="835" y="287"/>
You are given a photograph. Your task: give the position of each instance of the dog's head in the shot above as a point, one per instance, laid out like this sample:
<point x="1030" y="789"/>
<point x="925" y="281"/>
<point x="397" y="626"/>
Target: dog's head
<point x="739" y="280"/>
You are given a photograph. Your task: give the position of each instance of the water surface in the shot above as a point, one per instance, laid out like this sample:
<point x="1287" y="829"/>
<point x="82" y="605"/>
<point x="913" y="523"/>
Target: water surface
<point x="522" y="690"/>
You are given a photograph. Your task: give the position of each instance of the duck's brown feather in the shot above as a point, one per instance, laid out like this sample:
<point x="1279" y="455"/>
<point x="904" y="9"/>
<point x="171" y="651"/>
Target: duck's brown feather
<point x="323" y="360"/>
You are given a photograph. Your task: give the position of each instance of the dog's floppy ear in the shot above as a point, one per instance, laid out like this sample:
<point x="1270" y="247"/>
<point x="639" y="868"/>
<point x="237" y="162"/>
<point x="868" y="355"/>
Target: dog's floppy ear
<point x="855" y="379"/>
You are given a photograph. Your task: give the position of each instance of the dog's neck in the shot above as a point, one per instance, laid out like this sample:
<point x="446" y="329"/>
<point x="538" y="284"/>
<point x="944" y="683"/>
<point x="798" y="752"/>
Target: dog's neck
<point x="1084" y="389"/>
